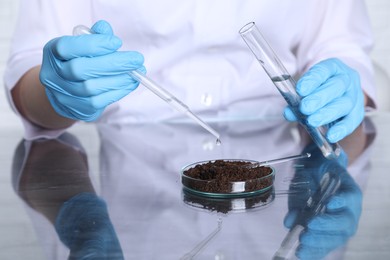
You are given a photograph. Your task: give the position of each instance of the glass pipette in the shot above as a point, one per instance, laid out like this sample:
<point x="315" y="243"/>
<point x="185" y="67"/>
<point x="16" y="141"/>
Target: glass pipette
<point x="203" y="243"/>
<point x="280" y="160"/>
<point x="159" y="91"/>
<point x="286" y="85"/>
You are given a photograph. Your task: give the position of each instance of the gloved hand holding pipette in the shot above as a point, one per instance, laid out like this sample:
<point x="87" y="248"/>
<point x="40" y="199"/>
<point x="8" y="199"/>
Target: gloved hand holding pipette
<point x="331" y="94"/>
<point x="84" y="74"/>
<point x="155" y="88"/>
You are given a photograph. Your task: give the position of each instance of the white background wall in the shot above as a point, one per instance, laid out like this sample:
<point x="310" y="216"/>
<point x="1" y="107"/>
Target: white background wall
<point x="8" y="12"/>
<point x="380" y="18"/>
<point x="379" y="11"/>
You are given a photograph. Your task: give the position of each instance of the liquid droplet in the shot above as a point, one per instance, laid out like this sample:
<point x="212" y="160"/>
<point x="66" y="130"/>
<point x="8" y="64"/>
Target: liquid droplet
<point x="218" y="142"/>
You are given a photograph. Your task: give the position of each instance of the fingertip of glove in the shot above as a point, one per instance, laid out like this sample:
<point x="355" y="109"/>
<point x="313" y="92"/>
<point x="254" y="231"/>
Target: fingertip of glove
<point x="290" y="218"/>
<point x="134" y="58"/>
<point x="115" y="42"/>
<point x="299" y="88"/>
<point x="142" y="69"/>
<point x="102" y="27"/>
<point x="336" y="133"/>
<point x="107" y="42"/>
<point x="303" y="85"/>
<point x="138" y="57"/>
<point x="308" y="82"/>
<point x="316" y="223"/>
<point x="336" y="203"/>
<point x="289" y="115"/>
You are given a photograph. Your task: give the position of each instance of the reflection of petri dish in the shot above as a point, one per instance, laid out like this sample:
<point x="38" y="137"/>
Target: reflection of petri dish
<point x="227" y="178"/>
<point x="228" y="204"/>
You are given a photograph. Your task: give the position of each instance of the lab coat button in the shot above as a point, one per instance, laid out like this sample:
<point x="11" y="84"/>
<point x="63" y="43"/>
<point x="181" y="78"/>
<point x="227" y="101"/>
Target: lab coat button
<point x="212" y="49"/>
<point x="206" y="99"/>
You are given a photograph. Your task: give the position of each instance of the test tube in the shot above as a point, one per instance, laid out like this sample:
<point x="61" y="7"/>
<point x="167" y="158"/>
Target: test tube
<point x="285" y="85"/>
<point x="158" y="90"/>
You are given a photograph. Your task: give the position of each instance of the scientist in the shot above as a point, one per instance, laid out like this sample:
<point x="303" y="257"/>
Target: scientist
<point x="193" y="49"/>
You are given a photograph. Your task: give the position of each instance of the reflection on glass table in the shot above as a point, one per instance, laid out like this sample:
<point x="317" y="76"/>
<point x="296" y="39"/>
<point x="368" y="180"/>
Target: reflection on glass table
<point x="229" y="204"/>
<point x="137" y="208"/>
<point x="324" y="208"/>
<point x="54" y="181"/>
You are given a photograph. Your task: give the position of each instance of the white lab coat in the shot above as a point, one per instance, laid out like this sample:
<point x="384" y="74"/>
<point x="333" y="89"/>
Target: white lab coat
<point x="193" y="49"/>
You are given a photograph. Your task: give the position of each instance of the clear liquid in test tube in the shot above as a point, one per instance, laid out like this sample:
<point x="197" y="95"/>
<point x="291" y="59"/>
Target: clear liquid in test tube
<point x="285" y="85"/>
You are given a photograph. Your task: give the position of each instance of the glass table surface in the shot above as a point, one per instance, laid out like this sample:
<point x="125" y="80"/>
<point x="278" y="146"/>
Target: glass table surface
<point x="115" y="192"/>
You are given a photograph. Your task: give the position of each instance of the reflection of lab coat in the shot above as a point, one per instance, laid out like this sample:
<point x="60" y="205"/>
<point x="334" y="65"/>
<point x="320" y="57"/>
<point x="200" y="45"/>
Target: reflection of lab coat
<point x="140" y="181"/>
<point x="141" y="184"/>
<point x="193" y="49"/>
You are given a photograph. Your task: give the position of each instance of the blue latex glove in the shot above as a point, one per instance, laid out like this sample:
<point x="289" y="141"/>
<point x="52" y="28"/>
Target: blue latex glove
<point x="84" y="226"/>
<point x="331" y="94"/>
<point x="338" y="220"/>
<point x="84" y="74"/>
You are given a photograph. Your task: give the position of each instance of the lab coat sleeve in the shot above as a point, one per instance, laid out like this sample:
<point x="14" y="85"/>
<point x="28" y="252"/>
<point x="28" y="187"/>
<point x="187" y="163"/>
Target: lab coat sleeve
<point x="39" y="21"/>
<point x="339" y="29"/>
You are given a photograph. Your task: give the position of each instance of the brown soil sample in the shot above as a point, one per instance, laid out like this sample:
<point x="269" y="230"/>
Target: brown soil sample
<point x="227" y="176"/>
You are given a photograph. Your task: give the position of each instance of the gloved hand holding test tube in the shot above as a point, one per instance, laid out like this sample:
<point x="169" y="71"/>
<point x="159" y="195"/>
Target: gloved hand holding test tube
<point x="286" y="85"/>
<point x="159" y="91"/>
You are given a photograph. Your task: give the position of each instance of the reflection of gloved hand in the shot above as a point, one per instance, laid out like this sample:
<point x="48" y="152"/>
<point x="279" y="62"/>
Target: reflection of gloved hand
<point x="84" y="74"/>
<point x="331" y="94"/>
<point x="83" y="225"/>
<point x="330" y="225"/>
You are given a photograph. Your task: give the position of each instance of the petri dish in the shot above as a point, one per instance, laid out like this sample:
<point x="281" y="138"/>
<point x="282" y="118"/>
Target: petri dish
<point x="227" y="178"/>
